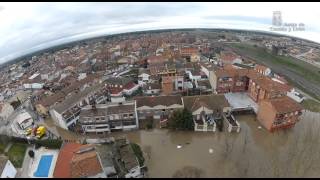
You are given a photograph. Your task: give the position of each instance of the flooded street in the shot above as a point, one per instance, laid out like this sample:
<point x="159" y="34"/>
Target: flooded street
<point x="253" y="152"/>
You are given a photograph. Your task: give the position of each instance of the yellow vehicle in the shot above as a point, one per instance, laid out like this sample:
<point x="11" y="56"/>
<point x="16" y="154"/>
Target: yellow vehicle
<point x="41" y="131"/>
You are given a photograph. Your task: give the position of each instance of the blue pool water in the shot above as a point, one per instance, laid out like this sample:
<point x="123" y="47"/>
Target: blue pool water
<point x="43" y="166"/>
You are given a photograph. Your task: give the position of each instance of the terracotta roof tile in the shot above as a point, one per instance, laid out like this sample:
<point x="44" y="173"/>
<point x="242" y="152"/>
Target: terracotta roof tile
<point x="285" y="104"/>
<point x="72" y="165"/>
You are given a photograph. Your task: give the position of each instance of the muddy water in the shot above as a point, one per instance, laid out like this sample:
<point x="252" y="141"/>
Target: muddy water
<point x="253" y="152"/>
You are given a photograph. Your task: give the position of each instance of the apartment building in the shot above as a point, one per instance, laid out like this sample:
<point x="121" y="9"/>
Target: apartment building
<point x="66" y="113"/>
<point x="229" y="57"/>
<point x="103" y="118"/>
<point x="262" y="87"/>
<point x="279" y="113"/>
<point x="226" y="79"/>
<point x="231" y="80"/>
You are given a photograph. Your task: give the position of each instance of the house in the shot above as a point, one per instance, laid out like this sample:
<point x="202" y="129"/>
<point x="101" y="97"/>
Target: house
<point x="207" y="110"/>
<point x="204" y="86"/>
<point x="72" y="86"/>
<point x="152" y="89"/>
<point x="103" y="118"/>
<point x="66" y="112"/>
<point x="279" y="113"/>
<point x="231" y="80"/>
<point x="228" y="57"/>
<point x="188" y="51"/>
<point x="5" y="111"/>
<point x="194" y="75"/>
<point x="227" y="79"/>
<point x="78" y="161"/>
<point x="167" y="85"/>
<point x="7" y="169"/>
<point x="119" y="86"/>
<point x="262" y="87"/>
<point x="178" y="82"/>
<point x="163" y="69"/>
<point x="208" y="69"/>
<point x="155" y="59"/>
<point x="195" y="57"/>
<point x="106" y="156"/>
<point x="24" y="120"/>
<point x="155" y="106"/>
<point x="126" y="158"/>
<point x="33" y="86"/>
<point x="144" y="77"/>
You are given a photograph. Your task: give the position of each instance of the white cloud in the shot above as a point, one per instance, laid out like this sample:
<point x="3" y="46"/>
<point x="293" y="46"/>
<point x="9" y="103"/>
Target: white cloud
<point x="27" y="27"/>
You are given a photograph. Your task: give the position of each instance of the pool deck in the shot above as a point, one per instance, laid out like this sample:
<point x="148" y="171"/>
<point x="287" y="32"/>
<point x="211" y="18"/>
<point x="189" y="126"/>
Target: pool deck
<point x="34" y="163"/>
<point x="241" y="101"/>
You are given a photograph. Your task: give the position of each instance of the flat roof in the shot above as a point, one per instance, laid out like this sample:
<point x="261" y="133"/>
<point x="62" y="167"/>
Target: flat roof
<point x="22" y="117"/>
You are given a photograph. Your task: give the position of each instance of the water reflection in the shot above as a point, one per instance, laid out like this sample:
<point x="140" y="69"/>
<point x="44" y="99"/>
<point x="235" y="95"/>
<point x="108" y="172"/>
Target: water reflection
<point x="253" y="152"/>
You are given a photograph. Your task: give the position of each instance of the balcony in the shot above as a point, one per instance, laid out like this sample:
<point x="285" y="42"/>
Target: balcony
<point x="233" y="124"/>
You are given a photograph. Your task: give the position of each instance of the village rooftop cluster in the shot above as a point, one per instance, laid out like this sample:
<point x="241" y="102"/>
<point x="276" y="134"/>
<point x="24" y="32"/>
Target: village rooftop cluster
<point x="120" y="83"/>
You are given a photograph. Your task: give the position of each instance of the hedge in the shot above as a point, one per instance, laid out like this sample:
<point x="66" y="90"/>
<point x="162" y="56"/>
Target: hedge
<point x="49" y="143"/>
<point x="137" y="151"/>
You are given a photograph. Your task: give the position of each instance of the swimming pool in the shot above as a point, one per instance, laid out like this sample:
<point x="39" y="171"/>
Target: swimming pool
<point x="43" y="166"/>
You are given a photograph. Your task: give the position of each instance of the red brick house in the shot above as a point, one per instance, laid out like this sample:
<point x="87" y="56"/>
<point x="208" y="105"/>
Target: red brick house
<point x="228" y="57"/>
<point x="279" y="113"/>
<point x="230" y="79"/>
<point x="167" y="85"/>
<point x="262" y="87"/>
<point x="188" y="51"/>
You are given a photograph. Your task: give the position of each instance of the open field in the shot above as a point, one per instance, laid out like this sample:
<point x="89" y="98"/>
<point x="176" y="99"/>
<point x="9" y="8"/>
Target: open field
<point x="16" y="154"/>
<point x="299" y="73"/>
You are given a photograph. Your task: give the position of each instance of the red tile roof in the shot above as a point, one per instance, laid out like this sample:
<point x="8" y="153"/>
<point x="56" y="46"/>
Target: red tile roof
<point x="72" y="165"/>
<point x="228" y="56"/>
<point x="267" y="83"/>
<point x="285" y="104"/>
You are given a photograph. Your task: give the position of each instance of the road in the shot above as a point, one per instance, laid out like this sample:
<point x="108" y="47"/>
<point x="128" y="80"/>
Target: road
<point x="10" y="127"/>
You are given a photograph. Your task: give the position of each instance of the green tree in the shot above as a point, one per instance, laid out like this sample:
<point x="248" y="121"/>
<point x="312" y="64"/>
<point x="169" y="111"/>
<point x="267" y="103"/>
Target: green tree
<point x="181" y="120"/>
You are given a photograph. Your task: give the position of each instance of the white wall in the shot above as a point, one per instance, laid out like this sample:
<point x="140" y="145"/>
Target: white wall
<point x="9" y="171"/>
<point x="58" y="119"/>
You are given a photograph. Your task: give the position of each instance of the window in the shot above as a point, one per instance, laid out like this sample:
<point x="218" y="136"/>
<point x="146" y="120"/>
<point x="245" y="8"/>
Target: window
<point x="277" y="122"/>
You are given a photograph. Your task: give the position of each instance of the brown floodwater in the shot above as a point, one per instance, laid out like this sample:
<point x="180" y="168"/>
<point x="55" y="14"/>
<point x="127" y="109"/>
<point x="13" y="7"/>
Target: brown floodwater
<point x="253" y="152"/>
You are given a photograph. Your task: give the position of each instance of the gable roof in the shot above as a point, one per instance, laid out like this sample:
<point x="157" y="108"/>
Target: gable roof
<point x="72" y="165"/>
<point x="213" y="102"/>
<point x="267" y="83"/>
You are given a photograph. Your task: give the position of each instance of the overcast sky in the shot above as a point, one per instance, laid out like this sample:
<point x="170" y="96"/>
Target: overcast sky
<point x="26" y="27"/>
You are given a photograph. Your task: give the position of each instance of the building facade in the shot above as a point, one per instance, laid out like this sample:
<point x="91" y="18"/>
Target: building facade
<point x="103" y="118"/>
<point x="279" y="113"/>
